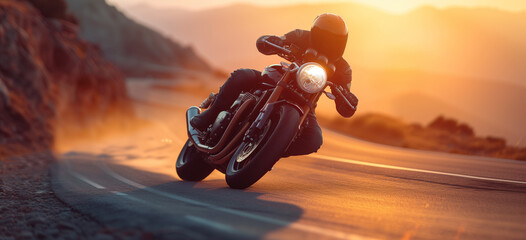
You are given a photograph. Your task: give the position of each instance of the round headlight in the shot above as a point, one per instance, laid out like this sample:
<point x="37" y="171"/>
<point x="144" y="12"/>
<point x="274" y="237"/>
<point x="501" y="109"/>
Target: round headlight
<point x="311" y="77"/>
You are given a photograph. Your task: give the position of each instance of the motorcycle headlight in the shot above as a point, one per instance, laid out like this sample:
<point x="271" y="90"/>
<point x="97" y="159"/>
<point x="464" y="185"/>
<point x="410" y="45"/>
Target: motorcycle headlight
<point x="311" y="77"/>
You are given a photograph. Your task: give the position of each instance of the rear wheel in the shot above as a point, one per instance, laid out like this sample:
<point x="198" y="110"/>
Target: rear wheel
<point x="253" y="159"/>
<point x="191" y="164"/>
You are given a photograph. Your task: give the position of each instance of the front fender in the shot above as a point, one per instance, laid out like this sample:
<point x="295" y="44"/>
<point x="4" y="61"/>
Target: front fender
<point x="266" y="112"/>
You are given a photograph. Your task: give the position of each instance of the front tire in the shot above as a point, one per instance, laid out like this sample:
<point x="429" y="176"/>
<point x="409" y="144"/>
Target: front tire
<point x="191" y="164"/>
<point x="253" y="160"/>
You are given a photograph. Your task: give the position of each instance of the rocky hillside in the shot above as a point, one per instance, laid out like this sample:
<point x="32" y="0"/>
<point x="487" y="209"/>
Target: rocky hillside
<point x="134" y="48"/>
<point x="50" y="80"/>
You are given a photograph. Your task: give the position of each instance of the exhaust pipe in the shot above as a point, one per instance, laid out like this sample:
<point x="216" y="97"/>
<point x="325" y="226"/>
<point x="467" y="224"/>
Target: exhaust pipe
<point x="192" y="132"/>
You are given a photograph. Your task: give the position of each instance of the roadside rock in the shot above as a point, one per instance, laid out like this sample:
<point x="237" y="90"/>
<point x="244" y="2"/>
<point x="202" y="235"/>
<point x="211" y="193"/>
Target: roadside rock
<point x="4" y="95"/>
<point x="52" y="83"/>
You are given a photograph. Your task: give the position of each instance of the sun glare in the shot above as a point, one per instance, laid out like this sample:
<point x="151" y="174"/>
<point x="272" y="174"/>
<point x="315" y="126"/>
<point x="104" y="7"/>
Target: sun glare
<point x="396" y="7"/>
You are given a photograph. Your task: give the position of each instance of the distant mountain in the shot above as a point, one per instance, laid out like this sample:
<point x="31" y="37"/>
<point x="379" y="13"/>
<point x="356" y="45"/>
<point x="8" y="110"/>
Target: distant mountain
<point x="134" y="48"/>
<point x="471" y="42"/>
<point x="491" y="107"/>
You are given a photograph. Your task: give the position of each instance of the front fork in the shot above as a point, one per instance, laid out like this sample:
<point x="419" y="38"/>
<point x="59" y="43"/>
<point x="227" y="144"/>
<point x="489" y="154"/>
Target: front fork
<point x="259" y="123"/>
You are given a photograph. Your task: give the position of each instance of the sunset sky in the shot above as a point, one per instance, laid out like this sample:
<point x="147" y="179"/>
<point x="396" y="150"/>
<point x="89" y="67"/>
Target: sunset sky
<point x="399" y="6"/>
<point x="416" y="76"/>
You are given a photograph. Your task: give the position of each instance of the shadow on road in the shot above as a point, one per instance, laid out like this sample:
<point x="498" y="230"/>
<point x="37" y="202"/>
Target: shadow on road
<point x="159" y="204"/>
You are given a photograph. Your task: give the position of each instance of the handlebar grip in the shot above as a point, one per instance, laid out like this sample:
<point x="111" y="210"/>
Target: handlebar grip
<point x="339" y="92"/>
<point x="284" y="50"/>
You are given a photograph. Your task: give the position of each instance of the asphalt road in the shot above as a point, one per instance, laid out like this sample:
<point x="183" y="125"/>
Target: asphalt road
<point x="350" y="189"/>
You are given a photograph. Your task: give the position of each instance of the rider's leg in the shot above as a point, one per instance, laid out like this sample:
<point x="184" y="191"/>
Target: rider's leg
<point x="240" y="80"/>
<point x="309" y="140"/>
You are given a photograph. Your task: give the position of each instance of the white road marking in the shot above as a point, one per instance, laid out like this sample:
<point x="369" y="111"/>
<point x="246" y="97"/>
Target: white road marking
<point x="84" y="179"/>
<point x="298" y="226"/>
<point x="81" y="177"/>
<point x="378" y="165"/>
<point x="127" y="196"/>
<point x="212" y="224"/>
<point x="98" y="186"/>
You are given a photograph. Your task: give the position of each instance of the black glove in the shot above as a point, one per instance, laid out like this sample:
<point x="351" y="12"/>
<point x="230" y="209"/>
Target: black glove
<point x="276" y="40"/>
<point x="266" y="48"/>
<point x="341" y="104"/>
<point x="351" y="98"/>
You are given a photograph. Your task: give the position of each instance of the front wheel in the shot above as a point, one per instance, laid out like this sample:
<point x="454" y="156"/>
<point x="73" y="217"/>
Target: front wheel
<point x="191" y="165"/>
<point x="253" y="159"/>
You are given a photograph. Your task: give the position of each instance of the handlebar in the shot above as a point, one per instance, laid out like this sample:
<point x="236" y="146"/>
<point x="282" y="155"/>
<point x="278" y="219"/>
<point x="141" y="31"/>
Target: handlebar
<point x="282" y="51"/>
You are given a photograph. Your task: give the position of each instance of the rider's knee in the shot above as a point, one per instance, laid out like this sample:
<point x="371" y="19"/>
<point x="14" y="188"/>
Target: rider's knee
<point x="243" y="75"/>
<point x="313" y="133"/>
<point x="316" y="143"/>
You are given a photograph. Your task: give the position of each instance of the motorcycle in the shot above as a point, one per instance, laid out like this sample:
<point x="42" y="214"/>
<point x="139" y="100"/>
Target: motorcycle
<point x="245" y="141"/>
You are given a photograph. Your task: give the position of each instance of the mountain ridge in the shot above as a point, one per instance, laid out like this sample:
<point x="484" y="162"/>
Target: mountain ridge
<point x="135" y="48"/>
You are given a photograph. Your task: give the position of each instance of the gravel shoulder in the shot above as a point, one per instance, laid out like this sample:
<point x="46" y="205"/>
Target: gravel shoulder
<point x="30" y="210"/>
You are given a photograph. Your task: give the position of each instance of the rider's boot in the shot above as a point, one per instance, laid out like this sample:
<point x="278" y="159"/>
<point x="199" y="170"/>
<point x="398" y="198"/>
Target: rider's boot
<point x="221" y="102"/>
<point x="203" y="120"/>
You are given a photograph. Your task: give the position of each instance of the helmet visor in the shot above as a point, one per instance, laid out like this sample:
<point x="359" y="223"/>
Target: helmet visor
<point x="329" y="44"/>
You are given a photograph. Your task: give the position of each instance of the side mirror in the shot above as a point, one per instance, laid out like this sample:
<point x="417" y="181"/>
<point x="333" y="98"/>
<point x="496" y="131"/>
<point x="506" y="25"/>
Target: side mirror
<point x="330" y="69"/>
<point x="310" y="55"/>
<point x="322" y="60"/>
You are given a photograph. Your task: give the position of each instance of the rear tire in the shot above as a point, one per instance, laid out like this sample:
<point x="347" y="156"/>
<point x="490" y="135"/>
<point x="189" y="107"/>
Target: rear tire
<point x="253" y="160"/>
<point x="191" y="164"/>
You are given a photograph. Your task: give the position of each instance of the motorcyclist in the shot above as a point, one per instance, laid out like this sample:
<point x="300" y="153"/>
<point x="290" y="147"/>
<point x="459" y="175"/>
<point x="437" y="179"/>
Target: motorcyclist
<point x="328" y="35"/>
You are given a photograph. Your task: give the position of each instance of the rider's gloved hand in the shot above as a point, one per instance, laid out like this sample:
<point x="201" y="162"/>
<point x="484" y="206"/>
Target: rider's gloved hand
<point x="351" y="98"/>
<point x="341" y="105"/>
<point x="275" y="39"/>
<point x="266" y="48"/>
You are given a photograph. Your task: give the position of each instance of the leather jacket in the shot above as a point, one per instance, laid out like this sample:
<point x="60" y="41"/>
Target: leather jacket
<point x="342" y="76"/>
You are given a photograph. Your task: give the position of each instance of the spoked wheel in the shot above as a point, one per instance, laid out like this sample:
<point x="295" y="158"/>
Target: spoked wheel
<point x="247" y="148"/>
<point x="191" y="164"/>
<point x="253" y="159"/>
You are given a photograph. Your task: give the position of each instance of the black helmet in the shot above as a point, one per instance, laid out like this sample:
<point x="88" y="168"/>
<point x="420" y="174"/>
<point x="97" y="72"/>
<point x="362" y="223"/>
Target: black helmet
<point x="329" y="35"/>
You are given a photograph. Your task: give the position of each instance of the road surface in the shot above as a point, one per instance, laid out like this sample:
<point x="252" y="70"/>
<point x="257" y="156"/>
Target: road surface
<point x="350" y="189"/>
